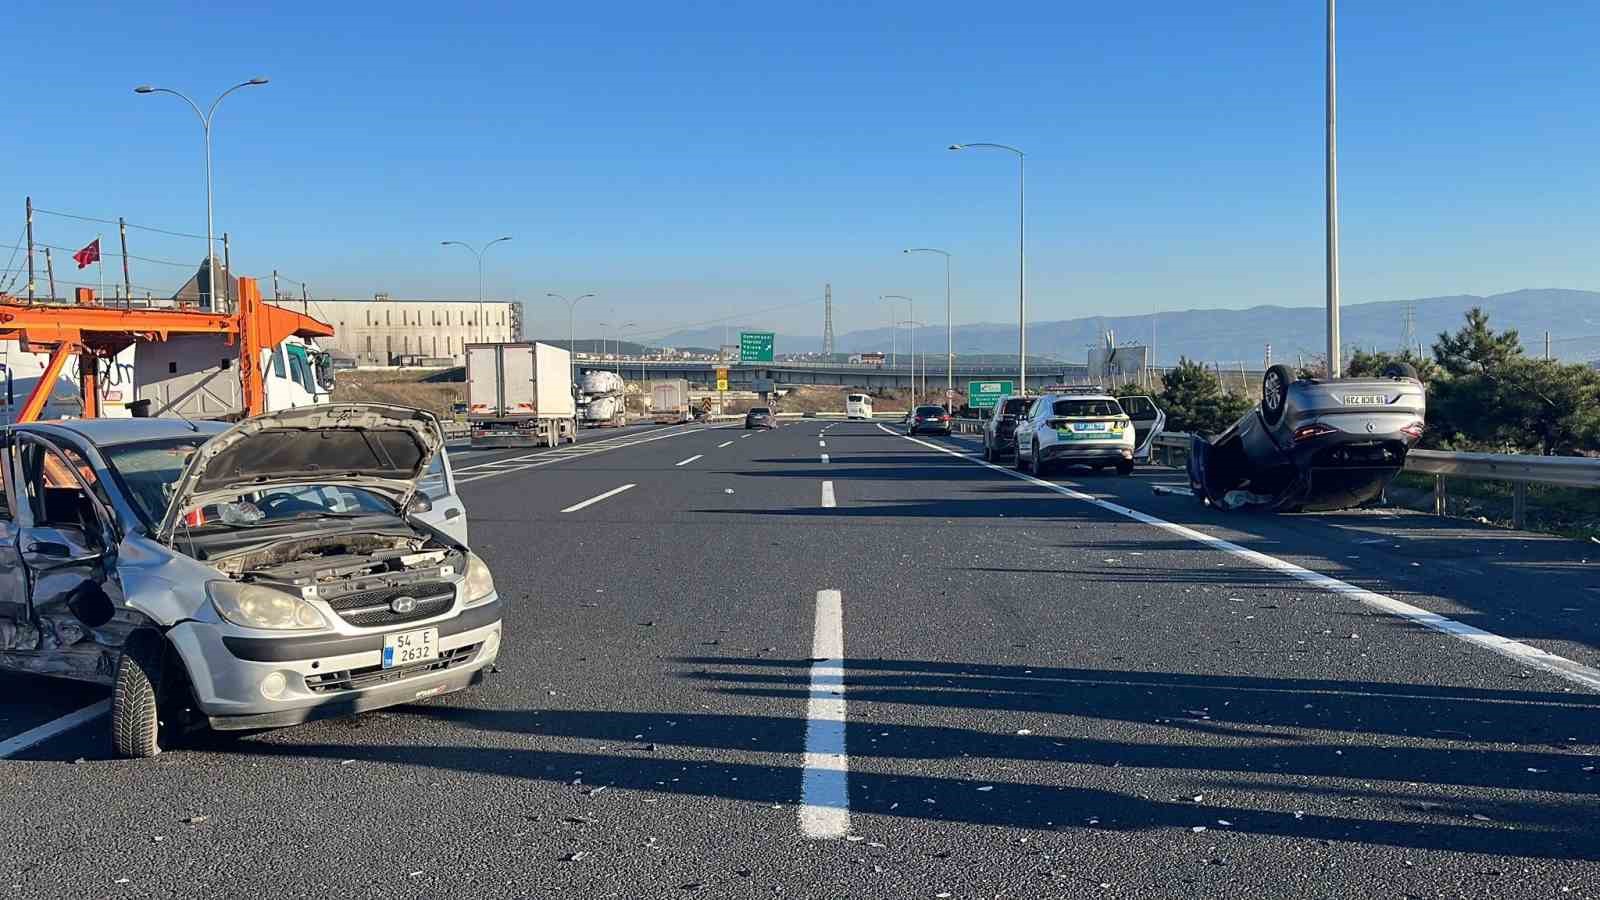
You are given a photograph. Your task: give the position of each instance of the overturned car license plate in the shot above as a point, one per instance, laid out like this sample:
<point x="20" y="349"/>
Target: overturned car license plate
<point x="1364" y="400"/>
<point x="410" y="647"/>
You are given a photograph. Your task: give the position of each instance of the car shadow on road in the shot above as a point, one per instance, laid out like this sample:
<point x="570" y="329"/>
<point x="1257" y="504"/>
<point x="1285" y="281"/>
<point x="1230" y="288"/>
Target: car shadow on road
<point x="1463" y="770"/>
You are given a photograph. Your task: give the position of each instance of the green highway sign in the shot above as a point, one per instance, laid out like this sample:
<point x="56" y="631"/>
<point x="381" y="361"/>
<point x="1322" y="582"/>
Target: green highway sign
<point x="983" y="394"/>
<point x="755" y="346"/>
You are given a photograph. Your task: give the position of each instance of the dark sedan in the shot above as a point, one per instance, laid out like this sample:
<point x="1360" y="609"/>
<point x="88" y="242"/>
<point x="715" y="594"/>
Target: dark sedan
<point x="760" y="417"/>
<point x="929" y="420"/>
<point x="1000" y="431"/>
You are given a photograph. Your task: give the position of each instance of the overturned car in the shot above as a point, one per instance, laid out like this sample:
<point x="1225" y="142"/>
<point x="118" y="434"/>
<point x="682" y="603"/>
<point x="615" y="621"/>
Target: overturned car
<point x="283" y="569"/>
<point x="1312" y="444"/>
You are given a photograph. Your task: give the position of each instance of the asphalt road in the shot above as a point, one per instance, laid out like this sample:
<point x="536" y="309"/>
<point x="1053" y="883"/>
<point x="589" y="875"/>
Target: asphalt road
<point x="895" y="673"/>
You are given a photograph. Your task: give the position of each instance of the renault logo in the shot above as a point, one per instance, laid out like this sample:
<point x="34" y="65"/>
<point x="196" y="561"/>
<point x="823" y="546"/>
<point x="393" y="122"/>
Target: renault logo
<point x="403" y="605"/>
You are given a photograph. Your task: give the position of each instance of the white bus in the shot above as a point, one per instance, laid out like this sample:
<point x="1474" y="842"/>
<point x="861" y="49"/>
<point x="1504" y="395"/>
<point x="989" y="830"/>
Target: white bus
<point x="858" y="406"/>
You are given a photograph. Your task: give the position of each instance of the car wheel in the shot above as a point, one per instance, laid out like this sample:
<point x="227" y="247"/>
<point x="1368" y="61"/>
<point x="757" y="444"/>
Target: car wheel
<point x="1016" y="459"/>
<point x="1400" y="370"/>
<point x="136" y="700"/>
<point x="1036" y="466"/>
<point x="988" y="452"/>
<point x="1125" y="467"/>
<point x="1275" y="393"/>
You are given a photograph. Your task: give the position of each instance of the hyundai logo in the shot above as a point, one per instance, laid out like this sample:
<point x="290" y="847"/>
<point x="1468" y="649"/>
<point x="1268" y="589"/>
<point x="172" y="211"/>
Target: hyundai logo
<point x="403" y="605"/>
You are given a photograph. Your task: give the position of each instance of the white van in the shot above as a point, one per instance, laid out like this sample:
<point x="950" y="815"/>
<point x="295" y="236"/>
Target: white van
<point x="858" y="406"/>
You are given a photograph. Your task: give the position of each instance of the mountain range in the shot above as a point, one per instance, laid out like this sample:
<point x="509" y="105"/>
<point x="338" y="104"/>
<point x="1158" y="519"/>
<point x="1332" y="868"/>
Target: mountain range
<point x="1571" y="317"/>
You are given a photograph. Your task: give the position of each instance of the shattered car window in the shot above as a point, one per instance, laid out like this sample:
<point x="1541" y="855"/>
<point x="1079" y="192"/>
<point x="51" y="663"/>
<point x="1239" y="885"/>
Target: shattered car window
<point x="148" y="470"/>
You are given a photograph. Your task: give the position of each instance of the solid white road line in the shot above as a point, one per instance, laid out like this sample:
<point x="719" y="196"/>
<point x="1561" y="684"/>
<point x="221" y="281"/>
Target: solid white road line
<point x="825" y="779"/>
<point x="685" y="462"/>
<point x="1524" y="654"/>
<point x="723" y="444"/>
<point x="14" y="745"/>
<point x="827" y="495"/>
<point x="597" y="498"/>
<point x="824" y="457"/>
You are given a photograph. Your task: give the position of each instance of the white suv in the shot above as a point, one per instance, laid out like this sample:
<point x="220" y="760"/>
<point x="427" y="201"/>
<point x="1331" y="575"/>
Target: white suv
<point x="1090" y="429"/>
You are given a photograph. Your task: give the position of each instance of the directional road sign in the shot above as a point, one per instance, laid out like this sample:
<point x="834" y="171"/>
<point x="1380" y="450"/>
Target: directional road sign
<point x="755" y="346"/>
<point x="983" y="394"/>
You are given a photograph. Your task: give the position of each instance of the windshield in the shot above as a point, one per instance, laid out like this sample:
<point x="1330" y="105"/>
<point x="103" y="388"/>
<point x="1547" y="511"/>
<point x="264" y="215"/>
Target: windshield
<point x="1080" y="408"/>
<point x="149" y="470"/>
<point x="311" y="501"/>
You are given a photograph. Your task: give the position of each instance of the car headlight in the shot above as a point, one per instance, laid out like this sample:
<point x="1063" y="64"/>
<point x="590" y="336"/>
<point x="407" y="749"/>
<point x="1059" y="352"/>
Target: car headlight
<point x="480" y="584"/>
<point x="257" y="606"/>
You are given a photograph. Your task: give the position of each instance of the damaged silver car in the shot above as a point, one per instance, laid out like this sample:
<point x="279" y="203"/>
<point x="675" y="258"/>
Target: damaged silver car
<point x="1312" y="444"/>
<point x="253" y="576"/>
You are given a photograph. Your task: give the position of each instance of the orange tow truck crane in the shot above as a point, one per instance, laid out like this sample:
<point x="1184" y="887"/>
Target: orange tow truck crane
<point x="95" y="332"/>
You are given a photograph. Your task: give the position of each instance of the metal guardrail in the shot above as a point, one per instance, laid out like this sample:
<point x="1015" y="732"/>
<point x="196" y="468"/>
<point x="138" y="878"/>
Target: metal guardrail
<point x="1518" y="470"/>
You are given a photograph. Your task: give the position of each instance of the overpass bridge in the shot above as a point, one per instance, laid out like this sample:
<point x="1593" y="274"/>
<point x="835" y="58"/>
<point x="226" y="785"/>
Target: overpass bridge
<point x="870" y="377"/>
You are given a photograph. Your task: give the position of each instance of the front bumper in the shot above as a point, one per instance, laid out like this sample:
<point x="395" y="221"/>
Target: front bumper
<point x="327" y="674"/>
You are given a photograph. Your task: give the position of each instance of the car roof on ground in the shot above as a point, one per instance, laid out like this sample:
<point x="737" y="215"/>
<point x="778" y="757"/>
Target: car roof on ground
<point x="105" y="432"/>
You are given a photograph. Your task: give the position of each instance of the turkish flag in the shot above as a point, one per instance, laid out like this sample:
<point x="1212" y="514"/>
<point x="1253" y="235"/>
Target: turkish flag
<point x="89" y="254"/>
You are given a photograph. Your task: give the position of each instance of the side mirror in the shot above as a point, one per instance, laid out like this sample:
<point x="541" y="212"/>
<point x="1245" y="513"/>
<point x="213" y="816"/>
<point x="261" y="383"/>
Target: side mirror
<point x="419" y="504"/>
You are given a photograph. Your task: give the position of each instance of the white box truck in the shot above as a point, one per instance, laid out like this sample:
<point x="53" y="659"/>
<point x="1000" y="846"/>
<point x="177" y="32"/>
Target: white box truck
<point x="669" y="402"/>
<point x="520" y="395"/>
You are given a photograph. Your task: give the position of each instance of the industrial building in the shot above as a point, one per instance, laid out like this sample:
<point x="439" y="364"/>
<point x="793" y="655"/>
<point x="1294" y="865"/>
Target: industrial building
<point x="386" y="332"/>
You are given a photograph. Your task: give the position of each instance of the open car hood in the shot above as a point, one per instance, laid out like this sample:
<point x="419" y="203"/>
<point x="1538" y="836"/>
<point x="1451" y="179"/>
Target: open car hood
<point x="382" y="448"/>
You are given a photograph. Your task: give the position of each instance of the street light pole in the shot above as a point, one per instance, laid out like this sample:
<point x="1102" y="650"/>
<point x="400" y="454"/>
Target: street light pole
<point x="914" y="325"/>
<point x="479" y="254"/>
<point x="911" y="313"/>
<point x="205" y="126"/>
<point x="1022" y="257"/>
<point x="949" y="333"/>
<point x="1332" y="188"/>
<point x="572" y="352"/>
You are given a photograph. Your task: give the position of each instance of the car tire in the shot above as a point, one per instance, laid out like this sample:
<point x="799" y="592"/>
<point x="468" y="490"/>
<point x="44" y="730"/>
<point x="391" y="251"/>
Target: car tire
<point x="1400" y="370"/>
<point x="1275" y="393"/>
<point x="1036" y="466"/>
<point x="988" y="452"/>
<point x="1125" y="468"/>
<point x="1017" y="461"/>
<point x="136" y="699"/>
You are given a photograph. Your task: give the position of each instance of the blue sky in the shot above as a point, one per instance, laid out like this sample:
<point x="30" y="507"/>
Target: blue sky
<point x="689" y="160"/>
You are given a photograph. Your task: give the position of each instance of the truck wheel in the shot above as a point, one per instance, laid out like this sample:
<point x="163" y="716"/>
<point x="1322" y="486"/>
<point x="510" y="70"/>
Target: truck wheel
<point x="1275" y="393"/>
<point x="136" y="700"/>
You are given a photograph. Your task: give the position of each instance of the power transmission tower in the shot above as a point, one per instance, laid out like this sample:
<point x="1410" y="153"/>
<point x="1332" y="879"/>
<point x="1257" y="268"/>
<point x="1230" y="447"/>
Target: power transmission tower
<point x="827" y="320"/>
<point x="1409" y="336"/>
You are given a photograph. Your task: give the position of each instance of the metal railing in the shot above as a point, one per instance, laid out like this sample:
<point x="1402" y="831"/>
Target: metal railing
<point x="1518" y="470"/>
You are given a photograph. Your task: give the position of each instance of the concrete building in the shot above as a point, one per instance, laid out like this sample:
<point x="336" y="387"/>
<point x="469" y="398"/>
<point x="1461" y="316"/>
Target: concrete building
<point x="384" y="331"/>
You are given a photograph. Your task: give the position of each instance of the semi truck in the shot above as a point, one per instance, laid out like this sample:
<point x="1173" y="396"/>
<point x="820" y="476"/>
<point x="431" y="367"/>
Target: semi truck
<point x="520" y="394"/>
<point x="194" y="376"/>
<point x="669" y="402"/>
<point x="604" y="394"/>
